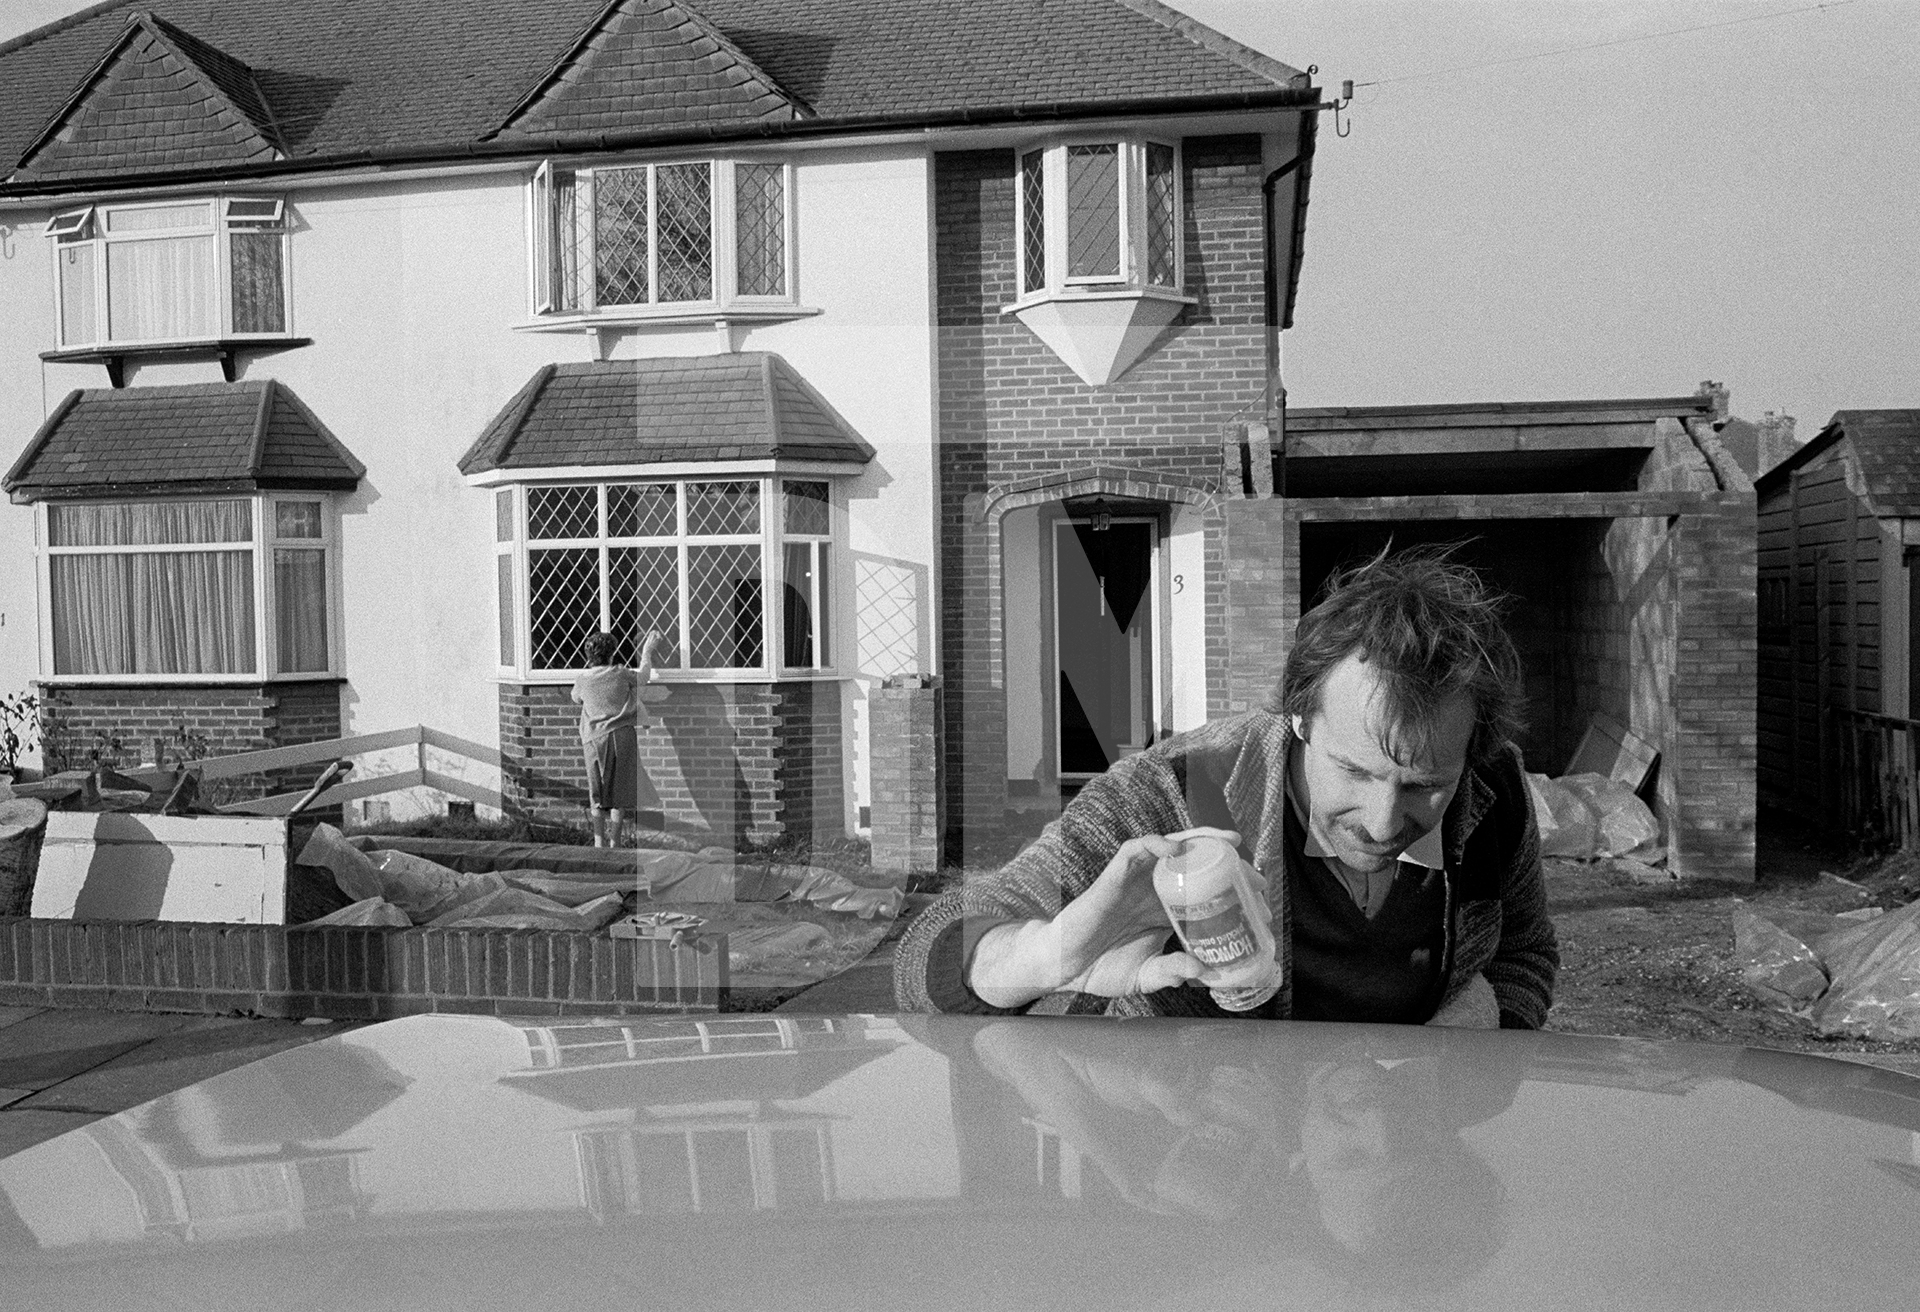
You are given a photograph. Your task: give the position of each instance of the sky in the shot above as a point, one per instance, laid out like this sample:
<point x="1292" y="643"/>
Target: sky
<point x="1736" y="203"/>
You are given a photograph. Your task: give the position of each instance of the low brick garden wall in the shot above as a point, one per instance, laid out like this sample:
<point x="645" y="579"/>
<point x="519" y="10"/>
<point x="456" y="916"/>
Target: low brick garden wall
<point x="349" y="973"/>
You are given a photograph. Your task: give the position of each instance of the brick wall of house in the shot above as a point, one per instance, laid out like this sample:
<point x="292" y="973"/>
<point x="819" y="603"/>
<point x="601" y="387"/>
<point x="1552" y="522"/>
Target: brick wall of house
<point x="905" y="752"/>
<point x="809" y="760"/>
<point x="1010" y="410"/>
<point x="749" y="762"/>
<point x="125" y="724"/>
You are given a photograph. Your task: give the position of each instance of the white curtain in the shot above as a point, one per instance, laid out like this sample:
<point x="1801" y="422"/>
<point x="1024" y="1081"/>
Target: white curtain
<point x="150" y="523"/>
<point x="300" y="609"/>
<point x="180" y="613"/>
<point x="161" y="288"/>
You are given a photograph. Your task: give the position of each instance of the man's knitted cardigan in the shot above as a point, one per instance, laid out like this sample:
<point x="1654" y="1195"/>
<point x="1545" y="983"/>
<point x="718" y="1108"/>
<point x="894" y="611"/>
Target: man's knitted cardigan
<point x="1232" y="773"/>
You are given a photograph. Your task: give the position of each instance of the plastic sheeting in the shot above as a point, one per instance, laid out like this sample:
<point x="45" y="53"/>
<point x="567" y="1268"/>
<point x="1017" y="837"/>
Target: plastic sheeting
<point x="417" y="891"/>
<point x="1859" y="978"/>
<point x="1589" y="816"/>
<point x="786" y="924"/>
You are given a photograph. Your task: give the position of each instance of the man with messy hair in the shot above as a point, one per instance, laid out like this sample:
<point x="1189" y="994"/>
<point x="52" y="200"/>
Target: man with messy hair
<point x="1378" y="795"/>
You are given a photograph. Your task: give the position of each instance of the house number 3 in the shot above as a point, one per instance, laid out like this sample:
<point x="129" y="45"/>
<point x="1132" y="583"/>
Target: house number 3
<point x="1179" y="582"/>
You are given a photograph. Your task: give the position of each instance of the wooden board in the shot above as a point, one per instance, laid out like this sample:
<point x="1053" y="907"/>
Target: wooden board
<point x="113" y="865"/>
<point x="1611" y="749"/>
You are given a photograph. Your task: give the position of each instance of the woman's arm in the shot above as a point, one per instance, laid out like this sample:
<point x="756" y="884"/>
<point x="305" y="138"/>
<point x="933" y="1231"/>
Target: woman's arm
<point x="644" y="671"/>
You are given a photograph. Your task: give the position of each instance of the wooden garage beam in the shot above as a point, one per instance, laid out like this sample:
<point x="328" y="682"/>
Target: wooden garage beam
<point x="1550" y="505"/>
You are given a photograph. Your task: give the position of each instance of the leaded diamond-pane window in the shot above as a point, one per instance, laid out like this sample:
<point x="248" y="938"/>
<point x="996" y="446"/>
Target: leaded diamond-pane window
<point x="806" y="508"/>
<point x="628" y="236"/>
<point x="1093" y="211"/>
<point x="723" y="587"/>
<point x="685" y="222"/>
<point x="620" y="237"/>
<point x="1098" y="213"/>
<point x="688" y="558"/>
<point x="643" y="595"/>
<point x="723" y="509"/>
<point x="1161" y="231"/>
<point x="563" y="598"/>
<point x="1033" y="222"/>
<point x="642" y="510"/>
<point x="760" y="229"/>
<point x="555" y="513"/>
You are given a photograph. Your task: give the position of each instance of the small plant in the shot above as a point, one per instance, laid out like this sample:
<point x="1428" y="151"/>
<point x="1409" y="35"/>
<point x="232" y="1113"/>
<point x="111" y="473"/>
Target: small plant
<point x="184" y="744"/>
<point x="19" y="728"/>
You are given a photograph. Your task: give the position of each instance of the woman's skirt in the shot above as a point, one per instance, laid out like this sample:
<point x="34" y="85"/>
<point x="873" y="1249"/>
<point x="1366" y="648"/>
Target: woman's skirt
<point x="615" y="779"/>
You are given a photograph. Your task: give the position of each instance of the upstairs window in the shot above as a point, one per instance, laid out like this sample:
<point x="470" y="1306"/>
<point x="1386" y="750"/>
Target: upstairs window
<point x="159" y="273"/>
<point x="665" y="237"/>
<point x="1095" y="215"/>
<point x="696" y="559"/>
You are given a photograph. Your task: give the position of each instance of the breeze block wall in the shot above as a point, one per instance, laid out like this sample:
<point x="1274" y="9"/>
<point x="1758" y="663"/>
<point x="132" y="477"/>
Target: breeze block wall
<point x="1012" y="413"/>
<point x="126" y="723"/>
<point x="749" y="763"/>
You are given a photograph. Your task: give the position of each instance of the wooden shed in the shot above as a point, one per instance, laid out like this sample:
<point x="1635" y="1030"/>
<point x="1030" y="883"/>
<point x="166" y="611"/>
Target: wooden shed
<point x="1839" y="524"/>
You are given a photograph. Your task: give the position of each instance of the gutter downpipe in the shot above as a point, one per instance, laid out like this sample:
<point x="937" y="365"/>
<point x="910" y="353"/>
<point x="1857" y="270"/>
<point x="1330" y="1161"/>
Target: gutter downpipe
<point x="1274" y="413"/>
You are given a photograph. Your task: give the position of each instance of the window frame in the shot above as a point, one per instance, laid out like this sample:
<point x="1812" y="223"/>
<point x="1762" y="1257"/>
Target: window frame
<point x="88" y="227"/>
<point x="768" y="540"/>
<point x="1132" y="199"/>
<point x="544" y="246"/>
<point x="260" y="546"/>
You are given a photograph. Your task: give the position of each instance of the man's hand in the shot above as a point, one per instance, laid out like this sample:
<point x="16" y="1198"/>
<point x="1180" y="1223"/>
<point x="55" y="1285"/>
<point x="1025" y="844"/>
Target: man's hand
<point x="1105" y="941"/>
<point x="1474" y="1007"/>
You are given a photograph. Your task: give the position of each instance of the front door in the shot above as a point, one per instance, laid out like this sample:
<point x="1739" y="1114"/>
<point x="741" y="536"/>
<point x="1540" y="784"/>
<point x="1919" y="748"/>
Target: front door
<point x="1103" y="642"/>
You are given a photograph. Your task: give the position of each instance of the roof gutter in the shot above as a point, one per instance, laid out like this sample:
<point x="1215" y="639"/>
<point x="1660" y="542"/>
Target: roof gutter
<point x="1280" y="98"/>
<point x="1274" y="410"/>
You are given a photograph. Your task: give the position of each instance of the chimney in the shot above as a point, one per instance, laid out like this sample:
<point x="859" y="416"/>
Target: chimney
<point x="1720" y="395"/>
<point x="1776" y="439"/>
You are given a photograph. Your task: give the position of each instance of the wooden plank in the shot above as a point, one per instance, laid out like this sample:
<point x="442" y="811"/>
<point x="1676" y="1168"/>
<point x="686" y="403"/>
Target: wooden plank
<point x="1793" y="544"/>
<point x="1853" y="603"/>
<point x="447" y="742"/>
<point x="130" y="866"/>
<point x="1550" y="505"/>
<point x="1828" y="760"/>
<point x="1610" y="748"/>
<point x="281" y="803"/>
<point x="282" y="758"/>
<point x="473" y="792"/>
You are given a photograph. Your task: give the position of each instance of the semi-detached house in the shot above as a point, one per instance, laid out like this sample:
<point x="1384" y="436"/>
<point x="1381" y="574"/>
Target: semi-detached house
<point x="362" y="358"/>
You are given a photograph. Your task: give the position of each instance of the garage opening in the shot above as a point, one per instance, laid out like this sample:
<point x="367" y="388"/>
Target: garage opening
<point x="1589" y="610"/>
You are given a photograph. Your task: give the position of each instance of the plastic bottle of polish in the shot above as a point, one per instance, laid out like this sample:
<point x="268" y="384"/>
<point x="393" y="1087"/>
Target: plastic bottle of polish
<point x="1210" y="896"/>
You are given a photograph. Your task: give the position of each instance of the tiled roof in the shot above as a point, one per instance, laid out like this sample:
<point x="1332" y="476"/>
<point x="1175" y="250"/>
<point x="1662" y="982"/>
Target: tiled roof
<point x="1888" y="444"/>
<point x="249" y="435"/>
<point x="748" y="406"/>
<point x="160" y="98"/>
<point x="651" y="58"/>
<point x="349" y="80"/>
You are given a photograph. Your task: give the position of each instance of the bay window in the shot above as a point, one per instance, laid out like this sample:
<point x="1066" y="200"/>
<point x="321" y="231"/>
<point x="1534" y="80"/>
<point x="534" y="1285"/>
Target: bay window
<point x="165" y="590"/>
<point x="732" y="571"/>
<point x="1094" y="214"/>
<point x="661" y="238"/>
<point x="161" y="273"/>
